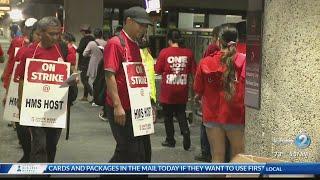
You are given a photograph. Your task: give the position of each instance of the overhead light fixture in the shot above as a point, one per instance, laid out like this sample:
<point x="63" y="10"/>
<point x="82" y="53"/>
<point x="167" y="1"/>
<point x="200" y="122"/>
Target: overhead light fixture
<point x="16" y="15"/>
<point x="4" y="8"/>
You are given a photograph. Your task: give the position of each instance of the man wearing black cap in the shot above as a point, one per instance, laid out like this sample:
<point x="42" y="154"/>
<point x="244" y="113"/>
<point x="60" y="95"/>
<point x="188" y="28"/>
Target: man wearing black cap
<point x="119" y="49"/>
<point x="84" y="61"/>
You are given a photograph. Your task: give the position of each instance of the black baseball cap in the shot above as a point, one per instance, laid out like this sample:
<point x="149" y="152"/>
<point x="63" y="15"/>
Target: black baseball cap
<point x="138" y="14"/>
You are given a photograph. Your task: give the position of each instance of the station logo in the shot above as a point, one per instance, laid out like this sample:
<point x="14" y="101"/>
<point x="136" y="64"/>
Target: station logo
<point x="302" y="140"/>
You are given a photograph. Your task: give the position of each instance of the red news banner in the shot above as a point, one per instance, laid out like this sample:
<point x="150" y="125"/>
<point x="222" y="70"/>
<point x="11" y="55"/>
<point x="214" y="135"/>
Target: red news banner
<point x="44" y="102"/>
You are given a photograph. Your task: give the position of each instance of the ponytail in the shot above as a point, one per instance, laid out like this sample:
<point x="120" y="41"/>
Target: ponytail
<point x="229" y="74"/>
<point x="228" y="35"/>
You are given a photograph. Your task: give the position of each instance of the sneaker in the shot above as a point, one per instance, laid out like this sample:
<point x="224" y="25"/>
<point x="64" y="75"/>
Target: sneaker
<point x="102" y="117"/>
<point x="202" y="157"/>
<point x="186" y="142"/>
<point x="94" y="104"/>
<point x="167" y="144"/>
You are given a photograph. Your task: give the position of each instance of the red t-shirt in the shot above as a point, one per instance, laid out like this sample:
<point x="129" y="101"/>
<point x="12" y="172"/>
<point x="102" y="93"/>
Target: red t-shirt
<point x="212" y="48"/>
<point x="72" y="54"/>
<point x="175" y="64"/>
<point x="37" y="52"/>
<point x="16" y="42"/>
<point x="208" y="83"/>
<point x="1" y="51"/>
<point x="114" y="55"/>
<point x="242" y="48"/>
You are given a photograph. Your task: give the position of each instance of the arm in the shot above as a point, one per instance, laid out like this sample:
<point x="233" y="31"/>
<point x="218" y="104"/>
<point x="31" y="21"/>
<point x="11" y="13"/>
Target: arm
<point x="81" y="47"/>
<point x="159" y="67"/>
<point x="198" y="85"/>
<point x="112" y="89"/>
<point x="20" y="90"/>
<point x="87" y="50"/>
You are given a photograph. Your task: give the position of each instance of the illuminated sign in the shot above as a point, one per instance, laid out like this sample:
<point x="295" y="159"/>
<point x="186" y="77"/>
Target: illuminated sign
<point x="153" y="5"/>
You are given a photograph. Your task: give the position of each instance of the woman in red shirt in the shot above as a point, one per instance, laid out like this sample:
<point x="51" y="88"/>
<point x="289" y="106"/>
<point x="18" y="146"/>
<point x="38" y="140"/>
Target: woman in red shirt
<point x="175" y="64"/>
<point x="220" y="82"/>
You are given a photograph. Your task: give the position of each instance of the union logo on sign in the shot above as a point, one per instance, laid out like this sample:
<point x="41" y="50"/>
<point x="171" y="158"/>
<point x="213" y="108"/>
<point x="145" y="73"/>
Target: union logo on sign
<point x="141" y="92"/>
<point x="46" y="88"/>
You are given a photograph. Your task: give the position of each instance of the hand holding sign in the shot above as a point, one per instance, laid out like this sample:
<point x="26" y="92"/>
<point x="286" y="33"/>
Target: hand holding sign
<point x="71" y="80"/>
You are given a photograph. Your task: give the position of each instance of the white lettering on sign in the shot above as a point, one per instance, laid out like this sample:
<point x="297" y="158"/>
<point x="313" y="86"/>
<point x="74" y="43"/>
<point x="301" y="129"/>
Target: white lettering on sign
<point x="177" y="63"/>
<point x="139" y="80"/>
<point x="48" y="67"/>
<point x="177" y="79"/>
<point x="46" y="77"/>
<point x="139" y="69"/>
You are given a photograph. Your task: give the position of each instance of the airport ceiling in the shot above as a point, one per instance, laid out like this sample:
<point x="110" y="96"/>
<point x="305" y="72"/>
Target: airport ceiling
<point x="214" y="4"/>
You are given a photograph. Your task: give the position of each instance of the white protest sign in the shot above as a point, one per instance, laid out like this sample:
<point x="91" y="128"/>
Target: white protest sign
<point x="44" y="103"/>
<point x="139" y="95"/>
<point x="11" y="111"/>
<point x="16" y="51"/>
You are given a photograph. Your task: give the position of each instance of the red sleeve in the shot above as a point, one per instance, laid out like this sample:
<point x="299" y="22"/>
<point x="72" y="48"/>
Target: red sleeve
<point x="11" y="47"/>
<point x="198" y="84"/>
<point x="159" y="67"/>
<point x="1" y="51"/>
<point x="21" y="67"/>
<point x="112" y="55"/>
<point x="71" y="57"/>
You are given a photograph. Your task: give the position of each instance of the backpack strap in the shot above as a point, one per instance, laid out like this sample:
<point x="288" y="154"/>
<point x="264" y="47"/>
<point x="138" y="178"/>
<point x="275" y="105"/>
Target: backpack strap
<point x="122" y="42"/>
<point x="64" y="49"/>
<point x="96" y="43"/>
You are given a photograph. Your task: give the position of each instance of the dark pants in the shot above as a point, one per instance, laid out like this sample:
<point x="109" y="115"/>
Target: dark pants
<point x="205" y="146"/>
<point x="84" y="79"/>
<point x="44" y="144"/>
<point x="129" y="149"/>
<point x="25" y="140"/>
<point x="180" y="111"/>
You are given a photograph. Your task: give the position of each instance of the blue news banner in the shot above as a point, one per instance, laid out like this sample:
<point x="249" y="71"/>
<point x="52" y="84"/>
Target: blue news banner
<point x="162" y="168"/>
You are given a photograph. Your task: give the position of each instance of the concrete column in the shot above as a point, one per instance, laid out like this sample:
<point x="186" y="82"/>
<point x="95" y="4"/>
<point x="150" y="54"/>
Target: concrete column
<point x="185" y="20"/>
<point x="216" y="20"/>
<point x="79" y="12"/>
<point x="39" y="10"/>
<point x="290" y="84"/>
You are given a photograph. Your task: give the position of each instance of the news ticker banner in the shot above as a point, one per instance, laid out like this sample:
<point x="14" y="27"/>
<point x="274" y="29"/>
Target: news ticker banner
<point x="162" y="168"/>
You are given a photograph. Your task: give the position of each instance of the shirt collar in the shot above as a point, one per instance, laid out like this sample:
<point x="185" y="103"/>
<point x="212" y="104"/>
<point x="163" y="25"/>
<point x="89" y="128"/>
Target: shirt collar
<point x="128" y="36"/>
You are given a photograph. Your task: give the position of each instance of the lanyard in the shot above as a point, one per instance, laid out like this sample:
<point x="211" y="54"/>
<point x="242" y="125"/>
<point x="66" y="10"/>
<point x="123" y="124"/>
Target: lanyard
<point x="34" y="53"/>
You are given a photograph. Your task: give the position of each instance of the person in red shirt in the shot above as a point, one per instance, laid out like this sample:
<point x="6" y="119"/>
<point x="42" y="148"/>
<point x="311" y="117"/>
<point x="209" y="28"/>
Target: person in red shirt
<point x="213" y="47"/>
<point x="16" y="42"/>
<point x="175" y="64"/>
<point x="119" y="49"/>
<point x="44" y="140"/>
<point x="205" y="154"/>
<point x="1" y="55"/>
<point x="23" y="131"/>
<point x="72" y="50"/>
<point x="220" y="81"/>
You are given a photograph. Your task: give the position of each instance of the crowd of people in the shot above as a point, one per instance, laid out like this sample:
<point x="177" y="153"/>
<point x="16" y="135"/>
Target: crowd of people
<point x="217" y="80"/>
